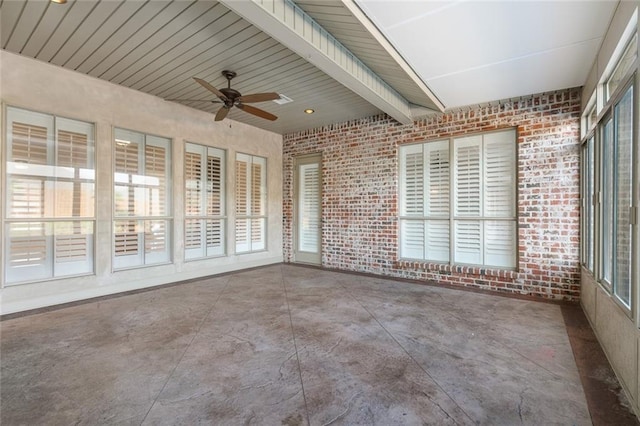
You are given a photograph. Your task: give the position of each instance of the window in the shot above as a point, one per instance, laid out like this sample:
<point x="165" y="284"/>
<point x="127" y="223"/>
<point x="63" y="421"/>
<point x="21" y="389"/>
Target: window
<point x="142" y="191"/>
<point x="610" y="177"/>
<point x="251" y="203"/>
<point x="49" y="227"/>
<point x="623" y="184"/>
<point x="457" y="200"/>
<point x="624" y="64"/>
<point x="205" y="222"/>
<point x="606" y="149"/>
<point x="588" y="221"/>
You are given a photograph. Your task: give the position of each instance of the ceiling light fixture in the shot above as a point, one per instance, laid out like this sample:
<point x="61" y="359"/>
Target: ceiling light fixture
<point x="309" y="111"/>
<point x="59" y="1"/>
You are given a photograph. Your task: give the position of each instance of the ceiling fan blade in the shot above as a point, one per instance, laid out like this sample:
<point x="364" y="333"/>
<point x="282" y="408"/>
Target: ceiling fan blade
<point x="259" y="97"/>
<point x="257" y="111"/>
<point x="222" y="113"/>
<point x="210" y="88"/>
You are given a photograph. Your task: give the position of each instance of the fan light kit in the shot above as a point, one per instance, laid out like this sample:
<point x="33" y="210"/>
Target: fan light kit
<point x="309" y="111"/>
<point x="231" y="97"/>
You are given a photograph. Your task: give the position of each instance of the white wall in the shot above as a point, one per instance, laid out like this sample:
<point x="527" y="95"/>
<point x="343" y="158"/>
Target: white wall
<point x="30" y="84"/>
<point x="617" y="332"/>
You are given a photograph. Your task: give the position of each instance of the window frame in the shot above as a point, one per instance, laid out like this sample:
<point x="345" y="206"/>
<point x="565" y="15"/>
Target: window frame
<point x="224" y="203"/>
<point x="49" y="221"/>
<point x="264" y="217"/>
<point x="143" y="220"/>
<point x="454" y="219"/>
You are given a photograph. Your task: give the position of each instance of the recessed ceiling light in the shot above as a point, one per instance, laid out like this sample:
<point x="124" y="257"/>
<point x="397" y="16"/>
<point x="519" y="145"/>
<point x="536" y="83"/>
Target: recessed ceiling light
<point x="59" y="1"/>
<point x="309" y="111"/>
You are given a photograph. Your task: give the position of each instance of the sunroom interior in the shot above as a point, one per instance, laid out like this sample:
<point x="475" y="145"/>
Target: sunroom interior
<point x="413" y="143"/>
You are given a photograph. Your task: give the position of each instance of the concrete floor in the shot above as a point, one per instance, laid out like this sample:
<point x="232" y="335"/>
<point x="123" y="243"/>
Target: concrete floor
<point x="292" y="345"/>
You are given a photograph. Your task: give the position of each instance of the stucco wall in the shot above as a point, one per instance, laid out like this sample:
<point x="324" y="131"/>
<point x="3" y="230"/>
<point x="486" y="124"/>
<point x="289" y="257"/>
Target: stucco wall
<point x="38" y="86"/>
<point x="616" y="329"/>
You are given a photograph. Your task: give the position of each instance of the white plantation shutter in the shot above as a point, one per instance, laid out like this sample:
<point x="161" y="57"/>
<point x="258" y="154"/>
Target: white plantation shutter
<point x="475" y="185"/>
<point x="500" y="243"/>
<point x="215" y="182"/>
<point x="412" y="240"/>
<point x="425" y="177"/>
<point x="468" y="241"/>
<point x="437" y="179"/>
<point x="437" y="236"/>
<point x="484" y="176"/>
<point x="412" y="180"/>
<point x="194" y="231"/>
<point x="193" y="183"/>
<point x="499" y="174"/>
<point x="156" y="172"/>
<point x="309" y="208"/>
<point x="257" y="204"/>
<point x="215" y="237"/>
<point x="437" y="195"/>
<point x="467" y="175"/>
<point x="29" y="248"/>
<point x="500" y="198"/>
<point x="242" y="203"/>
<point x="193" y="237"/>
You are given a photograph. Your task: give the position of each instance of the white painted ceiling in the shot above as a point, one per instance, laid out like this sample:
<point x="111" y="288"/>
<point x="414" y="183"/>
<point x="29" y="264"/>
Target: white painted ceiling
<point x="471" y="52"/>
<point x="467" y="52"/>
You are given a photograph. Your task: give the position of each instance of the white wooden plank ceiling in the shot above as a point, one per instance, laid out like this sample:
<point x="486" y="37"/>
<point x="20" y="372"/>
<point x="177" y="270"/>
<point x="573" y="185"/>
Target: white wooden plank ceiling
<point x="157" y="47"/>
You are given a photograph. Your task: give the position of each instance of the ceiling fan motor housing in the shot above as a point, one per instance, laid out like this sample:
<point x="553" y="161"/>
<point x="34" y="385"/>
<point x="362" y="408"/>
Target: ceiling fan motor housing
<point x="231" y="95"/>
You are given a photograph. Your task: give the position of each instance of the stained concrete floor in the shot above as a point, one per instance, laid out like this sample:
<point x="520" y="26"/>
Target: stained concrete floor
<point x="292" y="345"/>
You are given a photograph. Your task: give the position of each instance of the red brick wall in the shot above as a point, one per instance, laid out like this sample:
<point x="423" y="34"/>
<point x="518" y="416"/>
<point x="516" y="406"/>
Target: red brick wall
<point x="360" y="193"/>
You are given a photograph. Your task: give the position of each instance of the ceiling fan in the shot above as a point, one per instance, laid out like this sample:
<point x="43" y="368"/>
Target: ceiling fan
<point x="231" y="97"/>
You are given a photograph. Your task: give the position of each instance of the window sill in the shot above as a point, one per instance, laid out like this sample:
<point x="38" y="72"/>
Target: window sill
<point x="448" y="269"/>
